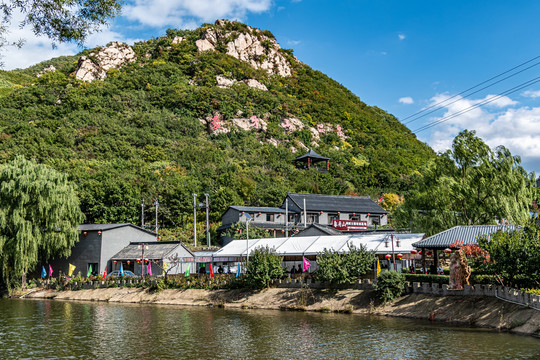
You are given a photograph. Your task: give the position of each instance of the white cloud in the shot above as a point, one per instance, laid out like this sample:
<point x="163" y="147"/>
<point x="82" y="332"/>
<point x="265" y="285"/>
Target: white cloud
<point x="401" y="36"/>
<point x="531" y="94"/>
<point x="517" y="128"/>
<point x="179" y="13"/>
<point x="406" y="100"/>
<point x="293" y="42"/>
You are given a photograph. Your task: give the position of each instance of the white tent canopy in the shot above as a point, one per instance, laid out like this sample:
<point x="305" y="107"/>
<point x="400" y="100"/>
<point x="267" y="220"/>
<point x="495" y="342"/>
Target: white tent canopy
<point x="381" y="243"/>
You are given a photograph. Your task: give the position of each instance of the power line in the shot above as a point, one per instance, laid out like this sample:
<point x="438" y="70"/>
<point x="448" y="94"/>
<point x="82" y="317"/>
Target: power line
<point x="438" y="105"/>
<point x="484" y="102"/>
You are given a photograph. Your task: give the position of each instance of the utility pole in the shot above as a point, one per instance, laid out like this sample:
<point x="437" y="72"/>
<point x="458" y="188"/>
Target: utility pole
<point x="286" y="218"/>
<point x="393" y="255"/>
<point x="142" y="214"/>
<point x="157" y="224"/>
<point x="207" y="221"/>
<point x="195" y="219"/>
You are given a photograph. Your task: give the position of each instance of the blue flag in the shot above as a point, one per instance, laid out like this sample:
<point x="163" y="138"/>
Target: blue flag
<point x="43" y="272"/>
<point x="121" y="270"/>
<point x="238" y="270"/>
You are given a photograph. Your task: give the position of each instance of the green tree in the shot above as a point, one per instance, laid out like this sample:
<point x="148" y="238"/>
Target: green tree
<point x="61" y="20"/>
<point x="264" y="265"/>
<point x="468" y="185"/>
<point x="341" y="268"/>
<point x="39" y="216"/>
<point x="513" y="256"/>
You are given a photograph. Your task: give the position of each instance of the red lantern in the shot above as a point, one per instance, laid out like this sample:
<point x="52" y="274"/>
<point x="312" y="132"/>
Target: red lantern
<point x="414" y="252"/>
<point x="368" y="214"/>
<point x="399" y="256"/>
<point x="259" y="214"/>
<point x="338" y="212"/>
<point x="388" y="256"/>
<point x="429" y="253"/>
<point x="115" y="261"/>
<point x="448" y="250"/>
<point x="382" y="215"/>
<point x="282" y="231"/>
<point x="85" y="233"/>
<point x="420" y="252"/>
<point x="159" y="237"/>
<point x="353" y="214"/>
<point x="321" y="212"/>
<point x="99" y="232"/>
<point x="129" y="262"/>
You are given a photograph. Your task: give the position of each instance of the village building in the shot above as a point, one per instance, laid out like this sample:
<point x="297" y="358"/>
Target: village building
<point x="171" y="256"/>
<point x="343" y="214"/>
<point x="310" y="161"/>
<point x="394" y="250"/>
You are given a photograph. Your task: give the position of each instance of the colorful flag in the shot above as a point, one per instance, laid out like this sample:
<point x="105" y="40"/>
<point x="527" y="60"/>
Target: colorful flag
<point x="71" y="270"/>
<point x="149" y="271"/>
<point x="186" y="274"/>
<point x="378" y="267"/>
<point x="121" y="269"/>
<point x="89" y="273"/>
<point x="306" y="264"/>
<point x="43" y="272"/>
<point x="238" y="270"/>
<point x="211" y="271"/>
<point x="50" y="270"/>
<point x="104" y="273"/>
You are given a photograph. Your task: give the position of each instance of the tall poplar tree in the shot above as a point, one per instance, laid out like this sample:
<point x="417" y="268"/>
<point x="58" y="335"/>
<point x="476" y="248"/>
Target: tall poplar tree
<point x="39" y="217"/>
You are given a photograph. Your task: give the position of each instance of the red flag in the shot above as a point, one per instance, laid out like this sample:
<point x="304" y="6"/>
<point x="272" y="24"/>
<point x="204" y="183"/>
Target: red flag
<point x="104" y="273"/>
<point x="211" y="271"/>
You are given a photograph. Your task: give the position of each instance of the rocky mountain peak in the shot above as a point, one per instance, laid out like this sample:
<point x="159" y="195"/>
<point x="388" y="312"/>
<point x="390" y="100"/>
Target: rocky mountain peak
<point x="258" y="48"/>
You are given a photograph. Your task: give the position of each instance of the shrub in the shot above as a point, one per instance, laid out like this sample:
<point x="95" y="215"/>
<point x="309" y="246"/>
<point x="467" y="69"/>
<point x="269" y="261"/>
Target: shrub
<point x="344" y="268"/>
<point x="390" y="285"/>
<point x="425" y="278"/>
<point x="264" y="265"/>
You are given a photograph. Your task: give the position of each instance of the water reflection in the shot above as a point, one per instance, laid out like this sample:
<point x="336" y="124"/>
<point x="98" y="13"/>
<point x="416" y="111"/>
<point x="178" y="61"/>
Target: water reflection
<point x="56" y="330"/>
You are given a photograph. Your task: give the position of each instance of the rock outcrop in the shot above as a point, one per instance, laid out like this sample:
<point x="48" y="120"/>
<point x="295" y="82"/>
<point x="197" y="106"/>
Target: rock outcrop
<point x="224" y="82"/>
<point x="249" y="44"/>
<point x="48" y="69"/>
<point x="96" y="64"/>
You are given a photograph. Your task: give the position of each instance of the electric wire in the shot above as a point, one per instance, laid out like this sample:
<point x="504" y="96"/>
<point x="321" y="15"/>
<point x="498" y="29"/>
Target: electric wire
<point x="484" y="102"/>
<point x="466" y="96"/>
<point x="471" y="88"/>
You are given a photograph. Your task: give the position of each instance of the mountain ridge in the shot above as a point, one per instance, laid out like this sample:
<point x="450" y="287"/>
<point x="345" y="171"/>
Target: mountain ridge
<point x="180" y="119"/>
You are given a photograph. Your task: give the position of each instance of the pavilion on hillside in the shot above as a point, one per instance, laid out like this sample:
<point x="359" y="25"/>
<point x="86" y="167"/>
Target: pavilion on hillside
<point x="309" y="159"/>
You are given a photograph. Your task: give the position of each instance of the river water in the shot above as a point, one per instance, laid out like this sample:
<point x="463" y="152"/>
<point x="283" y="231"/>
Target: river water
<point x="46" y="329"/>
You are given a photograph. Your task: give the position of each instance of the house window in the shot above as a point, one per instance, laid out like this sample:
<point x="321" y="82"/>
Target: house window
<point x="354" y="217"/>
<point x="270" y="217"/>
<point x="375" y="220"/>
<point x="312" y="218"/>
<point x="292" y="218"/>
<point x="332" y="217"/>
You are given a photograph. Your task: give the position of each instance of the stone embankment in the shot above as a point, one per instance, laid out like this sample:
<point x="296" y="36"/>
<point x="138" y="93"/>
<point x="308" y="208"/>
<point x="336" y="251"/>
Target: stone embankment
<point x="481" y="305"/>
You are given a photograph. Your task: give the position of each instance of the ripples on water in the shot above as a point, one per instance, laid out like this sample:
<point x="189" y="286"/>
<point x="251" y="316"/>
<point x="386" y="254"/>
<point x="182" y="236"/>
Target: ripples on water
<point x="42" y="329"/>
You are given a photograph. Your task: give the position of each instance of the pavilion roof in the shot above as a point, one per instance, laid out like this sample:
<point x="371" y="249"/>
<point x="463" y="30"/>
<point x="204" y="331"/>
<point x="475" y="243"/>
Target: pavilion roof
<point x="311" y="155"/>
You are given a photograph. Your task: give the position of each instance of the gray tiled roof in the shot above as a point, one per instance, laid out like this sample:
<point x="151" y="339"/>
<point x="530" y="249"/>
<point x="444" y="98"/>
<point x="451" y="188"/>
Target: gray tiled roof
<point x="156" y="250"/>
<point x="95" y="227"/>
<point x="256" y="209"/>
<point x="313" y="155"/>
<point x="465" y="234"/>
<point x="316" y="202"/>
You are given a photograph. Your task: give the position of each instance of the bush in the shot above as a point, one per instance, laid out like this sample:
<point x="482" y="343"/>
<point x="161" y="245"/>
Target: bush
<point x="390" y="284"/>
<point x="425" y="278"/>
<point x="264" y="265"/>
<point x="344" y="268"/>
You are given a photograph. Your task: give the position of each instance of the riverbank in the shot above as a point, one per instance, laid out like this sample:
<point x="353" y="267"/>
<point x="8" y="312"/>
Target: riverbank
<point x="476" y="311"/>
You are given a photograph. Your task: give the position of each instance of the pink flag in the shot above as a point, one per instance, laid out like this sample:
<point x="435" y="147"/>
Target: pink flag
<point x="50" y="270"/>
<point x="149" y="271"/>
<point x="306" y="264"/>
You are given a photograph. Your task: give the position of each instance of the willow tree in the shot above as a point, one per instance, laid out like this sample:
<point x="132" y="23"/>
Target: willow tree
<point x="39" y="217"/>
<point x="470" y="184"/>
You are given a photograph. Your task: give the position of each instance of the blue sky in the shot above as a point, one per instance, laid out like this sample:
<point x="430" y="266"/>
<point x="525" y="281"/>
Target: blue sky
<point x="401" y="56"/>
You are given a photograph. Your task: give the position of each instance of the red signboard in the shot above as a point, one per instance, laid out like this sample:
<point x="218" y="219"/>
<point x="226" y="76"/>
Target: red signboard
<point x="349" y="225"/>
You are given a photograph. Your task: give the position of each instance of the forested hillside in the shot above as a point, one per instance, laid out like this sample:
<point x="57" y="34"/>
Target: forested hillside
<point x="185" y="116"/>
